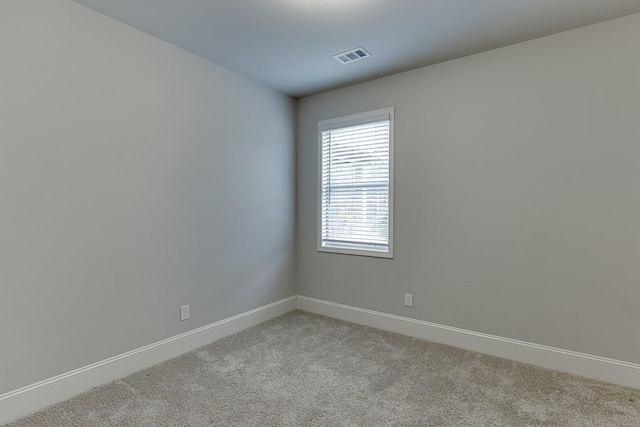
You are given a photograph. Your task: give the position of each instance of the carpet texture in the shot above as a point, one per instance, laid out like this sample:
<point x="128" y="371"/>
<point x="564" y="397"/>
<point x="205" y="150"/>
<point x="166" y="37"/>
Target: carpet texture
<point x="306" y="370"/>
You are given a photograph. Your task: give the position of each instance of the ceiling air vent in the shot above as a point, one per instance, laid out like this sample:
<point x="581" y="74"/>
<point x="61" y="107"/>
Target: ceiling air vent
<point x="352" y="55"/>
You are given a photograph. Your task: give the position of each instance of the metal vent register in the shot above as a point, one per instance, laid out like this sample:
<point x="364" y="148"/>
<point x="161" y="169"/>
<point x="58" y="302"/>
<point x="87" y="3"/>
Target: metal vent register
<point x="352" y="55"/>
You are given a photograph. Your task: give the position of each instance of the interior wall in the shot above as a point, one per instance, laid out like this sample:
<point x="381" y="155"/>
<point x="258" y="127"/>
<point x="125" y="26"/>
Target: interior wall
<point x="516" y="193"/>
<point x="135" y="178"/>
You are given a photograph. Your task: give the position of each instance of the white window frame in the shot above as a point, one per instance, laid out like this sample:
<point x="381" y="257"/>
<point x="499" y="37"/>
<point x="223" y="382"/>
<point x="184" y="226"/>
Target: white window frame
<point x="346" y="121"/>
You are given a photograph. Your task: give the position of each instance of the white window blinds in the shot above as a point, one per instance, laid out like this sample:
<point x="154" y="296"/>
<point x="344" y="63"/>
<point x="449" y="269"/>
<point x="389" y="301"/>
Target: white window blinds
<point x="356" y="185"/>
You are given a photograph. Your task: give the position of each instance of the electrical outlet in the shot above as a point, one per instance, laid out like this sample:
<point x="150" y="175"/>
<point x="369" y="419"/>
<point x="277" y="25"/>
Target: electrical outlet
<point x="408" y="300"/>
<point x="184" y="312"/>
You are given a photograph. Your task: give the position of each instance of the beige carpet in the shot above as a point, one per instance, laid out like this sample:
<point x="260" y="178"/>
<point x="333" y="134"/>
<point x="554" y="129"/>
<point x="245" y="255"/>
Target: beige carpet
<point x="307" y="370"/>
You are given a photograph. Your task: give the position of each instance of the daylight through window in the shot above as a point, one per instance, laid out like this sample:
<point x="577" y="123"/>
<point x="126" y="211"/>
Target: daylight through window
<point x="356" y="184"/>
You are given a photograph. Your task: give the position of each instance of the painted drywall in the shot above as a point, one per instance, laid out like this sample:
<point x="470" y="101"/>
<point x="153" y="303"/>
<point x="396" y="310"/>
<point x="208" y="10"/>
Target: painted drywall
<point x="135" y="177"/>
<point x="516" y="193"/>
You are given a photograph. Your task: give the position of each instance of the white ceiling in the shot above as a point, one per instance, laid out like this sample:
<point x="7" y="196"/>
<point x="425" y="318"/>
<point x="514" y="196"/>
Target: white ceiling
<point x="289" y="44"/>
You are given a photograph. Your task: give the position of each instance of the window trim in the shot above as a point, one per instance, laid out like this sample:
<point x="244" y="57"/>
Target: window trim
<point x="345" y="121"/>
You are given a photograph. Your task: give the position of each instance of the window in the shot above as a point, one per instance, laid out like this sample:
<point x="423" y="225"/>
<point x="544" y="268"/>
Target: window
<point x="356" y="184"/>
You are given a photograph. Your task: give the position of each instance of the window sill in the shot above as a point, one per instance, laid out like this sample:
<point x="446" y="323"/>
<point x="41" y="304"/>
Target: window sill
<point x="356" y="252"/>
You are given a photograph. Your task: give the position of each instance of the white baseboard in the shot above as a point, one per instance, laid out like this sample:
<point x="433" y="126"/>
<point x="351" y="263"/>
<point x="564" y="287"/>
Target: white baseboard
<point x="595" y="367"/>
<point x="29" y="399"/>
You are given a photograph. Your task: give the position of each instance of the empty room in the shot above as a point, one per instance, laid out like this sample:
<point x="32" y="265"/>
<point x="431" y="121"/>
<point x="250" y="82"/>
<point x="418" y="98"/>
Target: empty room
<point x="319" y="213"/>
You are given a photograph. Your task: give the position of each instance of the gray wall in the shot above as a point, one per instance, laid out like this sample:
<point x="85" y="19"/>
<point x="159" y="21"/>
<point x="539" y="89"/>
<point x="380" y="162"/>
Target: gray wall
<point x="134" y="177"/>
<point x="517" y="193"/>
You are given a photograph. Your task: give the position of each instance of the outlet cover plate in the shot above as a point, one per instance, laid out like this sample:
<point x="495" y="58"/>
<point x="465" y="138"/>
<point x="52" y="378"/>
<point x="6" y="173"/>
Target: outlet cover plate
<point x="184" y="312"/>
<point x="408" y="300"/>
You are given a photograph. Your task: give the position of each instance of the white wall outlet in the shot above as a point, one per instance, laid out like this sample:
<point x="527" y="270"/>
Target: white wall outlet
<point x="184" y="312"/>
<point x="408" y="300"/>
